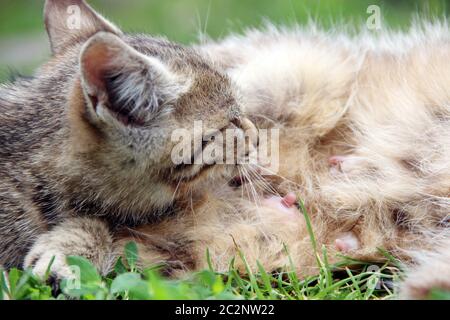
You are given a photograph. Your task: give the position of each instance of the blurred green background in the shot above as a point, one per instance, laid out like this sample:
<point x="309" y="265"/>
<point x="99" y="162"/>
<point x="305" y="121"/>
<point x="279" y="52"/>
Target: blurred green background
<point x="23" y="44"/>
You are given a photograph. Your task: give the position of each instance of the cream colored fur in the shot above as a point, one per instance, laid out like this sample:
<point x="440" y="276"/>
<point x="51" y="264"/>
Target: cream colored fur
<point x="383" y="101"/>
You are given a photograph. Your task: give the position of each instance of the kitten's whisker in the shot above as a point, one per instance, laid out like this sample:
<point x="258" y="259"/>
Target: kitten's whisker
<point x="279" y="176"/>
<point x="251" y="186"/>
<point x="241" y="174"/>
<point x="245" y="185"/>
<point x="262" y="183"/>
<point x="191" y="201"/>
<point x="176" y="190"/>
<point x="256" y="201"/>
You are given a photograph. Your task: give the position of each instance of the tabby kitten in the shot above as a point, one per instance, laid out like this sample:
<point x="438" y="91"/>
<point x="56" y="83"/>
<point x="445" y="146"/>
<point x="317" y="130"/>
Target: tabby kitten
<point x="85" y="145"/>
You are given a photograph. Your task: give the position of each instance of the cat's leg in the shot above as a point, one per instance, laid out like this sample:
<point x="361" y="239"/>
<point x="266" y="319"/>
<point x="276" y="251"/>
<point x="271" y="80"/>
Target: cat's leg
<point x="86" y="237"/>
<point x="269" y="233"/>
<point x="262" y="232"/>
<point x="272" y="233"/>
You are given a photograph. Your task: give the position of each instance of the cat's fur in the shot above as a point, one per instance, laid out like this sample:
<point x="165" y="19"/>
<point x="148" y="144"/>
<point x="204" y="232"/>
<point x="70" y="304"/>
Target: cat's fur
<point x="85" y="145"/>
<point x="382" y="102"/>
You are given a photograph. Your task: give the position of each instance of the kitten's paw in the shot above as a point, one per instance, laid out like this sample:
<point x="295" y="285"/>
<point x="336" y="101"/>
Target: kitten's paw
<point x="39" y="259"/>
<point x="347" y="164"/>
<point x="347" y="242"/>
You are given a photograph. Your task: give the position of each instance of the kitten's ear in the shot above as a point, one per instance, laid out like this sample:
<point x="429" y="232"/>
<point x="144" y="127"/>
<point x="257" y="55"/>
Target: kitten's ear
<point x="123" y="85"/>
<point x="71" y="21"/>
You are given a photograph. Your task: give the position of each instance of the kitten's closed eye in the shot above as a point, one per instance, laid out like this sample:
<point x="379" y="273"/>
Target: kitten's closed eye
<point x="191" y="168"/>
<point x="226" y="146"/>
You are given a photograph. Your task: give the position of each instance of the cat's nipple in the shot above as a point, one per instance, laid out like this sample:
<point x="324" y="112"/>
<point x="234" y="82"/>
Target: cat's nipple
<point x="286" y="205"/>
<point x="347" y="242"/>
<point x="289" y="200"/>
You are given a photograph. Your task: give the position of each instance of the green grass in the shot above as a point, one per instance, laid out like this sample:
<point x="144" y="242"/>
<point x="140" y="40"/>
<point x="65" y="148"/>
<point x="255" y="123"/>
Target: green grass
<point x="358" y="283"/>
<point x="185" y="20"/>
<point x="346" y="280"/>
<point x="181" y="20"/>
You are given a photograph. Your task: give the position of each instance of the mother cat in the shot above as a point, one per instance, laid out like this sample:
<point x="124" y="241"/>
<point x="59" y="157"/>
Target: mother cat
<point x="364" y="140"/>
